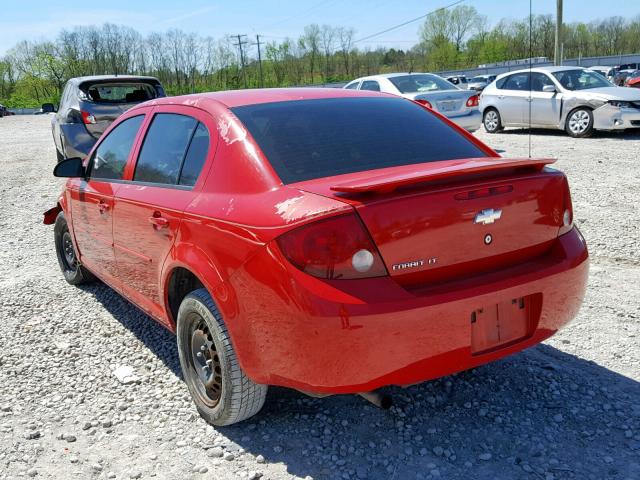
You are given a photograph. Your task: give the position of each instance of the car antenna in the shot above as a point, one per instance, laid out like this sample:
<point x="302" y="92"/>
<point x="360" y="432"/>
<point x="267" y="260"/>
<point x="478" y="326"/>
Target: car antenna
<point x="530" y="66"/>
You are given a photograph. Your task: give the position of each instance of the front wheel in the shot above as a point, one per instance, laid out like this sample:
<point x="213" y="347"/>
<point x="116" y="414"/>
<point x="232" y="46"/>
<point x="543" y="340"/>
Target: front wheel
<point x="73" y="272"/>
<point x="222" y="392"/>
<point x="492" y="121"/>
<point x="580" y="123"/>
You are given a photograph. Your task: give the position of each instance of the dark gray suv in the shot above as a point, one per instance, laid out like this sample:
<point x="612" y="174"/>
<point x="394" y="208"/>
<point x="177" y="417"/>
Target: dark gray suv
<point x="89" y="104"/>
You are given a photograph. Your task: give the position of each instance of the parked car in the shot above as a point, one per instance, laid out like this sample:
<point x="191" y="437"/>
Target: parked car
<point x="479" y="82"/>
<point x="633" y="80"/>
<point x="460" y="106"/>
<point x="621" y="76"/>
<point x="606" y="71"/>
<point x="325" y="240"/>
<point x="3" y="111"/>
<point x="458" y="80"/>
<point x="89" y="104"/>
<point x="570" y="98"/>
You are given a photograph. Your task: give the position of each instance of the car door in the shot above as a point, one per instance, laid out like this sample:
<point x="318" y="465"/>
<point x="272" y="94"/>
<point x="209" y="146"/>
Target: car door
<point x="545" y="106"/>
<point x="92" y="199"/>
<point x="513" y="99"/>
<point x="162" y="181"/>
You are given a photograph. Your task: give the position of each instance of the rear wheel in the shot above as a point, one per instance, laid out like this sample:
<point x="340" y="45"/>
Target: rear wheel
<point x="492" y="121"/>
<point x="580" y="123"/>
<point x="222" y="392"/>
<point x="73" y="272"/>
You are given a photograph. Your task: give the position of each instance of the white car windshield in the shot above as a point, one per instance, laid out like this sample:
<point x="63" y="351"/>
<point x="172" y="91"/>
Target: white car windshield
<point x="581" y="79"/>
<point x="421" y="83"/>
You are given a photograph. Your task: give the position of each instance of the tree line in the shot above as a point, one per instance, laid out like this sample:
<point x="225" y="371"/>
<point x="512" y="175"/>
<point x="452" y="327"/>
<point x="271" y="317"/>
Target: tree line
<point x="32" y="73"/>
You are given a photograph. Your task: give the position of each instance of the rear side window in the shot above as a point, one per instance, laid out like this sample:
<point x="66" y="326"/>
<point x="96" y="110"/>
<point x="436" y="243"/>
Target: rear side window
<point x="352" y="85"/>
<point x="518" y="81"/>
<point x="173" y="144"/>
<point x="309" y="139"/>
<point x="371" y="85"/>
<point x="111" y="155"/>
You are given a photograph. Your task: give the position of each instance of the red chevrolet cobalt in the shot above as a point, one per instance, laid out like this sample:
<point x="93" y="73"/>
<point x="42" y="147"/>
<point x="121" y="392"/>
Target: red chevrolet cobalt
<point x="324" y="240"/>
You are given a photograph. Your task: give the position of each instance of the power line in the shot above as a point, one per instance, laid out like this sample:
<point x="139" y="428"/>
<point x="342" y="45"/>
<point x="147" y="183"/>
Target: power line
<point x="453" y="4"/>
<point x="242" y="41"/>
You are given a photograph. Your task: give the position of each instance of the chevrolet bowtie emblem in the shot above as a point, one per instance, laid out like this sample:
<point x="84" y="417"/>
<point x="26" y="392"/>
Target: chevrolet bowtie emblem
<point x="487" y="216"/>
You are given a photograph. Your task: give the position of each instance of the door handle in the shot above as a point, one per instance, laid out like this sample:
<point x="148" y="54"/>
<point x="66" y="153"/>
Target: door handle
<point x="103" y="207"/>
<point x="158" y="221"/>
<point x="501" y="97"/>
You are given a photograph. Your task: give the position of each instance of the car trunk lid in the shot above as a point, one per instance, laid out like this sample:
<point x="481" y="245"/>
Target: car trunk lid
<point x="443" y="220"/>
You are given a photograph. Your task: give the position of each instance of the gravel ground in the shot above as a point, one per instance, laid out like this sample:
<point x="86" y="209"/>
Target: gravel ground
<point x="567" y="409"/>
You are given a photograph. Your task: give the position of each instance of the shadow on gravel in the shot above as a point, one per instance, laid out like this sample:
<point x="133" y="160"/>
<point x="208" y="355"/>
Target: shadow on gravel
<point x="157" y="338"/>
<point x="633" y="134"/>
<point x="541" y="414"/>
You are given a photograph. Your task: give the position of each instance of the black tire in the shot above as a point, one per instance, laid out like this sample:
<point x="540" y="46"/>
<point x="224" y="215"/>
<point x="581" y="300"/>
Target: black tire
<point x="492" y="121"/>
<point x="579" y="123"/>
<point x="222" y="392"/>
<point x="73" y="272"/>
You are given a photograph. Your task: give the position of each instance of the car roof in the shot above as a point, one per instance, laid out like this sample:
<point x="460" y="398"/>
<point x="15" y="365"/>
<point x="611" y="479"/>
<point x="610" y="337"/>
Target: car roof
<point x="390" y="75"/>
<point x="239" y="98"/>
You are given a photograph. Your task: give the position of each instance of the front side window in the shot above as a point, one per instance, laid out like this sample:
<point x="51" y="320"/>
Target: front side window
<point x="539" y="81"/>
<point x="174" y="151"/>
<point x="111" y="156"/>
<point x="318" y="138"/>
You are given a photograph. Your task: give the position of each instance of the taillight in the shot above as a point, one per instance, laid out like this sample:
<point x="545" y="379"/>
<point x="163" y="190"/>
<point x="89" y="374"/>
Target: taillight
<point x="473" y="101"/>
<point x="424" y="102"/>
<point x="88" y="118"/>
<point x="567" y="212"/>
<point x="335" y="248"/>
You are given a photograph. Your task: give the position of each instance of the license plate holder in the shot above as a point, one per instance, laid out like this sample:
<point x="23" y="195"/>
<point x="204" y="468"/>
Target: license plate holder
<point x="501" y="324"/>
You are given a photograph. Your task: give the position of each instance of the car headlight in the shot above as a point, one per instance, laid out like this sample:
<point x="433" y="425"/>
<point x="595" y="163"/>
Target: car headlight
<point x="619" y="104"/>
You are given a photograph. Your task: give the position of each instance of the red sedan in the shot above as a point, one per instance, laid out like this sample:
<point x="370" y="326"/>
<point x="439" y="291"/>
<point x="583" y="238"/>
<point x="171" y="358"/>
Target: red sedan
<point x="329" y="241"/>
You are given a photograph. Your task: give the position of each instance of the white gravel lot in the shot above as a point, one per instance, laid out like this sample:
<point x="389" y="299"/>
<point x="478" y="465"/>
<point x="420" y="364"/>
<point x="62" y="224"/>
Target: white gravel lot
<point x="567" y="409"/>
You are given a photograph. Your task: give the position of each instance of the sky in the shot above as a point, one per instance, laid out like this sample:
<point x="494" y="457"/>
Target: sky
<point x="43" y="19"/>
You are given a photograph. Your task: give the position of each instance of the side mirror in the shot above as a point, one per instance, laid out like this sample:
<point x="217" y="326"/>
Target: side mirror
<point x="549" y="89"/>
<point x="69" y="168"/>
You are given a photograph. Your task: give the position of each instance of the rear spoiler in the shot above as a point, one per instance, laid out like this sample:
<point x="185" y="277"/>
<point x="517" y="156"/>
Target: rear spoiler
<point x="411" y="174"/>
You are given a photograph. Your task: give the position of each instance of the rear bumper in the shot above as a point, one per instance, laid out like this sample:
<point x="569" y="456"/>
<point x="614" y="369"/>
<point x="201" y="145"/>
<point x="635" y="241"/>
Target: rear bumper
<point x="470" y="122"/>
<point x="297" y="331"/>
<point x="76" y="140"/>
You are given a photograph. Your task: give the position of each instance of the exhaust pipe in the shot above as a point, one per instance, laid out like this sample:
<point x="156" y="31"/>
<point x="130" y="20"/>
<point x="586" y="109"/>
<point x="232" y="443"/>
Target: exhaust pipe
<point x="378" y="399"/>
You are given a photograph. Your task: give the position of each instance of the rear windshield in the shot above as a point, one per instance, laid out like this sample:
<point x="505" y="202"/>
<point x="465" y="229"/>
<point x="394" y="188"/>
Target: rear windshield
<point x="421" y="83"/>
<point x="119" y="92"/>
<point x="310" y="139"/>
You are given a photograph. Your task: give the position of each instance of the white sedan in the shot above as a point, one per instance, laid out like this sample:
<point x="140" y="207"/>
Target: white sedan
<point x="460" y="106"/>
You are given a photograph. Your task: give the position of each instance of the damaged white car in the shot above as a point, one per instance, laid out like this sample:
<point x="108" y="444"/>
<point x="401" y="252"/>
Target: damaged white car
<point x="568" y="98"/>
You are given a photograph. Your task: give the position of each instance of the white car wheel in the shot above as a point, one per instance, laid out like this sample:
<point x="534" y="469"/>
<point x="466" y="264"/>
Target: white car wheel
<point x="492" y="121"/>
<point x="580" y="123"/>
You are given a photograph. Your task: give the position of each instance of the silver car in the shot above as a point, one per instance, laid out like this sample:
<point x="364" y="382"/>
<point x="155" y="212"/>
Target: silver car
<point x="460" y="106"/>
<point x="90" y="104"/>
<point x="479" y="82"/>
<point x="568" y="98"/>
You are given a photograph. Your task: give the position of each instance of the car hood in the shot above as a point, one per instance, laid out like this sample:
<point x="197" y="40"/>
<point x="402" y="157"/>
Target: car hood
<point x="607" y="93"/>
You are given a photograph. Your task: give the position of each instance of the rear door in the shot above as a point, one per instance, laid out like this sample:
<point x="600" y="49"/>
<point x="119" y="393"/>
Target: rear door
<point x="92" y="199"/>
<point x="162" y="182"/>
<point x="513" y="98"/>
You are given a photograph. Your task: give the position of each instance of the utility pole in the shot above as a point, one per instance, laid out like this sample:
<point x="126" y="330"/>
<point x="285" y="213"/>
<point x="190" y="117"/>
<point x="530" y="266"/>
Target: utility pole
<point x="557" y="53"/>
<point x="242" y="41"/>
<point x="259" y="60"/>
